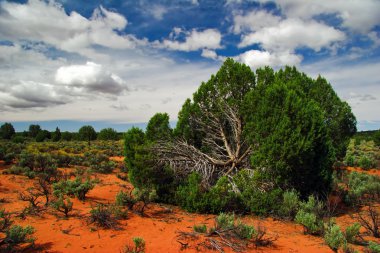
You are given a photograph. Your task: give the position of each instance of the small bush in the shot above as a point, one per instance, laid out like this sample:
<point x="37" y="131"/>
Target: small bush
<point x="5" y="220"/>
<point x="62" y="205"/>
<point x="200" y="228"/>
<point x="352" y="232"/>
<point x="334" y="237"/>
<point x="244" y="231"/>
<point x="225" y="221"/>
<point x="373" y="247"/>
<point x="124" y="199"/>
<point x="102" y="216"/>
<point x="290" y="204"/>
<point x="16" y="235"/>
<point x="17" y="170"/>
<point x="75" y="188"/>
<point x="138" y="247"/>
<point x="310" y="222"/>
<point x="349" y="160"/>
<point x="365" y="162"/>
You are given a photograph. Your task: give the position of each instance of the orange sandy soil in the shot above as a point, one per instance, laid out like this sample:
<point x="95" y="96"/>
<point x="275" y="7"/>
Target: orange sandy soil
<point x="159" y="227"/>
<point x="370" y="171"/>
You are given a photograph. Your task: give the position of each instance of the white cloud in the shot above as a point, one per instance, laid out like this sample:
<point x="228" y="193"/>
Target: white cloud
<point x="195" y="40"/>
<point x="256" y="59"/>
<point x="253" y="21"/>
<point x="290" y="34"/>
<point x="90" y="76"/>
<point x="157" y="11"/>
<point x="48" y="22"/>
<point x="356" y="15"/>
<point x="207" y="53"/>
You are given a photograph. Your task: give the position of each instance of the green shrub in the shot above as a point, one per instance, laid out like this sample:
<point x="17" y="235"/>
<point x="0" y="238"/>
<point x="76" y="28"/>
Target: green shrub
<point x="352" y="232"/>
<point x="62" y="205"/>
<point x="334" y="237"/>
<point x="17" y="170"/>
<point x="290" y="204"/>
<point x="8" y="158"/>
<point x="253" y="198"/>
<point x="102" y="216"/>
<point x="244" y="231"/>
<point x="361" y="186"/>
<point x="124" y="199"/>
<point x="5" y="220"/>
<point x="138" y="247"/>
<point x="16" y="235"/>
<point x="75" y="188"/>
<point x="310" y="222"/>
<point x="313" y="205"/>
<point x="145" y="195"/>
<point x="366" y="162"/>
<point x="373" y="247"/>
<point x="225" y="221"/>
<point x="349" y="160"/>
<point x="200" y="228"/>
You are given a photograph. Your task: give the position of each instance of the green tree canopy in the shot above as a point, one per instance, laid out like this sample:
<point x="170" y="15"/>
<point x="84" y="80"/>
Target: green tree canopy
<point x="87" y="133"/>
<point x="34" y="130"/>
<point x="158" y="128"/>
<point x="108" y="134"/>
<point x="7" y="131"/>
<point x="56" y="136"/>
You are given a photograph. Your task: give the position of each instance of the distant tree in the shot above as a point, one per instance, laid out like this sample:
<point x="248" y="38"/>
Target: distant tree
<point x="66" y="136"/>
<point x="7" y="131"/>
<point x="34" y="130"/>
<point x="108" y="134"/>
<point x="56" y="136"/>
<point x="376" y="137"/>
<point x="158" y="128"/>
<point x="87" y="133"/>
<point x="43" y="135"/>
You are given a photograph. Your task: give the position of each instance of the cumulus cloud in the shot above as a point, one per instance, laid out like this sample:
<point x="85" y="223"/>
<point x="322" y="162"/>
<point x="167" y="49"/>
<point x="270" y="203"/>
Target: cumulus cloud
<point x="290" y="34"/>
<point x="256" y="59"/>
<point x="358" y="16"/>
<point x="253" y="21"/>
<point x="194" y="40"/>
<point x="157" y="11"/>
<point x="91" y="77"/>
<point x="47" y="21"/>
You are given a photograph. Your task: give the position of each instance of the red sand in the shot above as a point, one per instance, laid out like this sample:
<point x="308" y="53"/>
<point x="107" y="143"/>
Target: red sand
<point x="159" y="228"/>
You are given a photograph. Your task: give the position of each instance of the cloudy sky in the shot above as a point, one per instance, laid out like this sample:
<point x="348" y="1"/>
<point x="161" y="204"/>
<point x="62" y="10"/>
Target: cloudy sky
<point x="122" y="61"/>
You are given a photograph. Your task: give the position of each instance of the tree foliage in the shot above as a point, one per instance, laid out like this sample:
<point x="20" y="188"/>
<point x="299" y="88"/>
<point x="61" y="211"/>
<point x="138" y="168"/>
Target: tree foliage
<point x="87" y="133"/>
<point x="34" y="130"/>
<point x="108" y="134"/>
<point x="7" y="131"/>
<point x="263" y="133"/>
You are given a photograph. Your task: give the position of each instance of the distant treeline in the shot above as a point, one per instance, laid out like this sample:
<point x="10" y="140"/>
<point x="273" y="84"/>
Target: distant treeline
<point x="36" y="133"/>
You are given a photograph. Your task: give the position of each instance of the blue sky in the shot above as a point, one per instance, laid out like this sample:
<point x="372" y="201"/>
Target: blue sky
<point x="115" y="63"/>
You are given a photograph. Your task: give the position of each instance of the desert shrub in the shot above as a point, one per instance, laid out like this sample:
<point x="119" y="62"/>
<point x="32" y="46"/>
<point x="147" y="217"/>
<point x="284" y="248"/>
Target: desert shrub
<point x="17" y="235"/>
<point x="244" y="231"/>
<point x="31" y="195"/>
<point x="255" y="196"/>
<point x="18" y="170"/>
<point x="18" y="139"/>
<point x="104" y="167"/>
<point x="200" y="228"/>
<point x="349" y="160"/>
<point x="310" y="222"/>
<point x="102" y="216"/>
<point x="362" y="186"/>
<point x="124" y="199"/>
<point x="144" y="195"/>
<point x="137" y="247"/>
<point x="366" y="162"/>
<point x="373" y="247"/>
<point x="370" y="219"/>
<point x="5" y="220"/>
<point x="8" y="158"/>
<point x="224" y="221"/>
<point x="334" y="237"/>
<point x="290" y="204"/>
<point x="313" y="205"/>
<point x="352" y="232"/>
<point x="75" y="188"/>
<point x="62" y="205"/>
